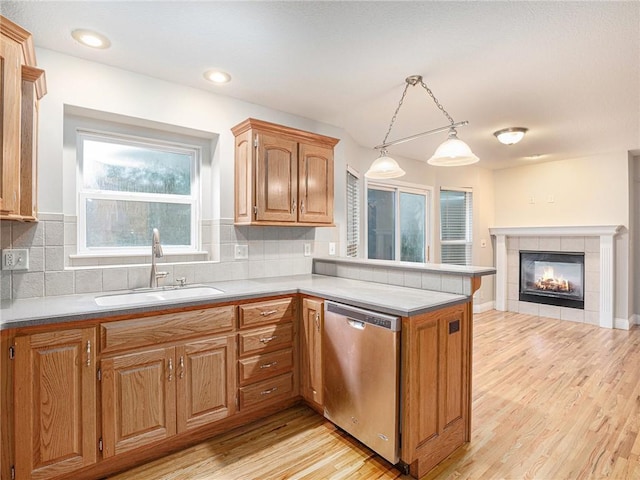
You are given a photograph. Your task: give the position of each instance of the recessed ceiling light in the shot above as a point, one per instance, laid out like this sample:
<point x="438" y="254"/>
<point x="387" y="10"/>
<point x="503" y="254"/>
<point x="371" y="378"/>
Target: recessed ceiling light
<point x="216" y="76"/>
<point x="511" y="135"/>
<point x="535" y="156"/>
<point x="90" y="38"/>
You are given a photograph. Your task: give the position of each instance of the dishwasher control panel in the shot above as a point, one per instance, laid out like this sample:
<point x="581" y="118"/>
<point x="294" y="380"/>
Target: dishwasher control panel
<point x="366" y="316"/>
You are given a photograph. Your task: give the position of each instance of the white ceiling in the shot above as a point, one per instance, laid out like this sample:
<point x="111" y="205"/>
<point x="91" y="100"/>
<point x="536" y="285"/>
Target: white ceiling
<point x="569" y="71"/>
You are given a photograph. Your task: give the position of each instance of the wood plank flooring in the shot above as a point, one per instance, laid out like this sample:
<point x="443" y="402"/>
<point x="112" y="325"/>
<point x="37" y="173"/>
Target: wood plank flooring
<point x="552" y="400"/>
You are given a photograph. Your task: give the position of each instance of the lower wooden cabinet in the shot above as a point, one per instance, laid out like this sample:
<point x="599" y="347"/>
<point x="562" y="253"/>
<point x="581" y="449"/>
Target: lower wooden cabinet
<point x="151" y="395"/>
<point x="55" y="403"/>
<point x="436" y="386"/>
<point x="312" y="323"/>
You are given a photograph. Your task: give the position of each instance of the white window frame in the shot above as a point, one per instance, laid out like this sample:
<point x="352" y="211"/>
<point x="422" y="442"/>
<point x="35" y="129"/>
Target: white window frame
<point x="84" y="193"/>
<point x="406" y="187"/>
<point x="468" y="241"/>
<point x="358" y="216"/>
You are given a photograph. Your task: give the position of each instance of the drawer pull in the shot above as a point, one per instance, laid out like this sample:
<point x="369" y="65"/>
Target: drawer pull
<point x="181" y="374"/>
<point x="267" y="392"/>
<point x="88" y="353"/>
<point x="269" y="365"/>
<point x="268" y="312"/>
<point x="170" y="370"/>
<point x="268" y="339"/>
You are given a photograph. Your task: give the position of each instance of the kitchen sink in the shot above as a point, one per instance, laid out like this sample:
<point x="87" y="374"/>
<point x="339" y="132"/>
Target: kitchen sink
<point x="150" y="295"/>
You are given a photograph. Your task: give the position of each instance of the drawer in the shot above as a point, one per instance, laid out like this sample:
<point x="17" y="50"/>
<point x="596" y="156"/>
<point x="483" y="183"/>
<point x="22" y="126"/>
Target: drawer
<point x="272" y="311"/>
<point x="267" y="339"/>
<point x="268" y="391"/>
<point x="128" y="334"/>
<point x="267" y="365"/>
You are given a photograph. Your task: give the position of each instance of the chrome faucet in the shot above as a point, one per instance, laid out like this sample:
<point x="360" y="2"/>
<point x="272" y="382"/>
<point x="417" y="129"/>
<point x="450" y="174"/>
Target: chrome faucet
<point x="156" y="252"/>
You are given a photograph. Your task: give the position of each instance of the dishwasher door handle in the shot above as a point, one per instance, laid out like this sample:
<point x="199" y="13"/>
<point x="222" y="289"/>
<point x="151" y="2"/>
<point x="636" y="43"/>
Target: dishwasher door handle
<point x="358" y="325"/>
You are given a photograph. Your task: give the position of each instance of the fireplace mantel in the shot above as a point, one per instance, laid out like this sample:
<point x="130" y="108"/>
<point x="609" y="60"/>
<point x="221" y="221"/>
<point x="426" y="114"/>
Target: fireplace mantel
<point x="606" y="234"/>
<point x="569" y="231"/>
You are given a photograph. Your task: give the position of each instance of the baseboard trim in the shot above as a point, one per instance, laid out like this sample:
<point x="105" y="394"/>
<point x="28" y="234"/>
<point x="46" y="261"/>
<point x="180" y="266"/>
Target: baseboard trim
<point x="483" y="307"/>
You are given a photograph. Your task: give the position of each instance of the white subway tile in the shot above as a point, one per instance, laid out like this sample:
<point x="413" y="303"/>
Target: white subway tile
<point x="27" y="284"/>
<point x="53" y="234"/>
<point x="54" y="258"/>
<point x="59" y="283"/>
<point x="88" y="281"/>
<point x="114" y="279"/>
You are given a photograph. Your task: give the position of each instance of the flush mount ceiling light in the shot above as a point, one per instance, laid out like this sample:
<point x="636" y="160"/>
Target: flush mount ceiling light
<point x="217" y="76"/>
<point x="453" y="152"/>
<point x="511" y="135"/>
<point x="89" y="38"/>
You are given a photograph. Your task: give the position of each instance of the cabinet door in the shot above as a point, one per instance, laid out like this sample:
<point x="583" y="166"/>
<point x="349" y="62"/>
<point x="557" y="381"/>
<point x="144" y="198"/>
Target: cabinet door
<point x="10" y="88"/>
<point x="206" y="381"/>
<point x="311" y="350"/>
<point x="276" y="179"/>
<point x="436" y="382"/>
<point x="138" y="399"/>
<point x="55" y="403"/>
<point x="315" y="184"/>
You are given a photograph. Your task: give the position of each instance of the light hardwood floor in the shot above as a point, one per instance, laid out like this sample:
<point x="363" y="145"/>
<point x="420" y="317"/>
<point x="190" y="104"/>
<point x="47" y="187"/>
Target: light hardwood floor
<point x="551" y="400"/>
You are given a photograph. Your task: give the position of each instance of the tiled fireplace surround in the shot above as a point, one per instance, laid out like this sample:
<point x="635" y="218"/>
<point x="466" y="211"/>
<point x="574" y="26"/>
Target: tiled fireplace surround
<point x="597" y="243"/>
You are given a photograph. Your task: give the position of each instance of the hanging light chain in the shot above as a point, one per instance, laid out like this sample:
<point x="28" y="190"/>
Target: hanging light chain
<point x="424" y="85"/>
<point x="393" y="119"/>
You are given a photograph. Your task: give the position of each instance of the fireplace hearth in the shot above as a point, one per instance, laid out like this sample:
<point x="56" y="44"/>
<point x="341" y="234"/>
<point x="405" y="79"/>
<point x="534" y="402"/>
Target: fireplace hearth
<point x="552" y="278"/>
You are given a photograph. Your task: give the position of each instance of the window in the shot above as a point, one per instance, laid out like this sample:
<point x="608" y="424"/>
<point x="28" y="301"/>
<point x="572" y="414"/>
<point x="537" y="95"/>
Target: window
<point x="397" y="220"/>
<point x="353" y="214"/>
<point x="128" y="186"/>
<point x="456" y="226"/>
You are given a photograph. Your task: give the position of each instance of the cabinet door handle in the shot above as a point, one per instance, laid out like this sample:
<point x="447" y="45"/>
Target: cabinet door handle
<point x="317" y="321"/>
<point x="267" y="392"/>
<point x="170" y="369"/>
<point x="293" y="206"/>
<point x="301" y="206"/>
<point x="268" y="339"/>
<point x="181" y="374"/>
<point x="88" y="353"/>
<point x="268" y="312"/>
<point x="269" y="365"/>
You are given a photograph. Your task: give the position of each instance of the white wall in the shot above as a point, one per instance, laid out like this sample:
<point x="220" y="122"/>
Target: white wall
<point x="582" y="191"/>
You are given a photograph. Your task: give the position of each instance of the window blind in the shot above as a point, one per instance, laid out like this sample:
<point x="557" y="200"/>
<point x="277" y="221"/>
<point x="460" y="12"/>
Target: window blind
<point x="456" y="226"/>
<point x="353" y="215"/>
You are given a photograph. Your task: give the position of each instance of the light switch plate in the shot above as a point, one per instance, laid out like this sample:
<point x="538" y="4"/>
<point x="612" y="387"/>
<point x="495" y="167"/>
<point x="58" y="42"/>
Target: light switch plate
<point x="332" y="248"/>
<point x="15" y="259"/>
<point x="241" y="252"/>
<point x="307" y="249"/>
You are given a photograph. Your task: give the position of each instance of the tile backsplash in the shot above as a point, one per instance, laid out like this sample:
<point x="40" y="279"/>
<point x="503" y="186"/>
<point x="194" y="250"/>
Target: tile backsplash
<point x="56" y="269"/>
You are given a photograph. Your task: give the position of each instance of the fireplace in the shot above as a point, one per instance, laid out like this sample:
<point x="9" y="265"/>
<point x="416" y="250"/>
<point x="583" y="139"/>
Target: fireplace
<point x="552" y="278"/>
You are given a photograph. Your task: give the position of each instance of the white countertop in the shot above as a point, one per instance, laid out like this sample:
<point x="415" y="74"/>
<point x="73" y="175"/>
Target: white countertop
<point x="390" y="299"/>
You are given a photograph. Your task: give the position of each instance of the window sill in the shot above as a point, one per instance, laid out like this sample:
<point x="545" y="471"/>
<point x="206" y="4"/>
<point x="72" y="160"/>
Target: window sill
<point x="99" y="260"/>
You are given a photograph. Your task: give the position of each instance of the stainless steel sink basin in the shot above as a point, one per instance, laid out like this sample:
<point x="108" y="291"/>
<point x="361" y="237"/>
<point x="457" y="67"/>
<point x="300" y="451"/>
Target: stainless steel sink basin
<point x="156" y="294"/>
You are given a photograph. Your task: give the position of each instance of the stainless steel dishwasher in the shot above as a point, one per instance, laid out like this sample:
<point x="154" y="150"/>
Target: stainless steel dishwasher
<point x="361" y="375"/>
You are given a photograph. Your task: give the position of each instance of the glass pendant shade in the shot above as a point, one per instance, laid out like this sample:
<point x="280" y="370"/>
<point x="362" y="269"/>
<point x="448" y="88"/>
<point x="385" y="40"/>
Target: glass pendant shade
<point x="453" y="153"/>
<point x="384" y="167"/>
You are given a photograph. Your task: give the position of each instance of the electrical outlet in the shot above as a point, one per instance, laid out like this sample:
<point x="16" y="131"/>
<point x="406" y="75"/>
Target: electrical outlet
<point x="15" y="259"/>
<point x="241" y="252"/>
<point x="307" y="249"/>
<point x="332" y="248"/>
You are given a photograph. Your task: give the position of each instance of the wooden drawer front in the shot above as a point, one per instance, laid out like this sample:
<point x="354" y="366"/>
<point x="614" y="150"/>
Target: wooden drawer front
<point x="274" y="389"/>
<point x="267" y="339"/>
<point x="129" y="334"/>
<point x="268" y="365"/>
<point x="273" y="311"/>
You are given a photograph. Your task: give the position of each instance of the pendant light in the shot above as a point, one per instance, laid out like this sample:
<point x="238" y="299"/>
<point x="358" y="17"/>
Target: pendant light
<point x="453" y="152"/>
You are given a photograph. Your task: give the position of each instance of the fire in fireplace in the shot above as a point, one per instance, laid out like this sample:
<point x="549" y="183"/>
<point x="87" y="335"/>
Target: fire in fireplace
<point x="552" y="278"/>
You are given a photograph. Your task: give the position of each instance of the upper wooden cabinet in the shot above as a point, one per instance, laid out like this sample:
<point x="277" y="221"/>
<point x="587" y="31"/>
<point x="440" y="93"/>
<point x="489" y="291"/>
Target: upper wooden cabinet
<point x="22" y="85"/>
<point x="283" y="176"/>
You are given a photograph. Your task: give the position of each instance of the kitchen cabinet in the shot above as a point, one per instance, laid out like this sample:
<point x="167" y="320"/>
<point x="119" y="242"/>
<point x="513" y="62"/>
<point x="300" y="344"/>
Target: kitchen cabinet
<point x="22" y="85"/>
<point x="170" y="387"/>
<point x="266" y="348"/>
<point x="311" y="326"/>
<point x="435" y="386"/>
<point x="283" y="176"/>
<point x="55" y="402"/>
